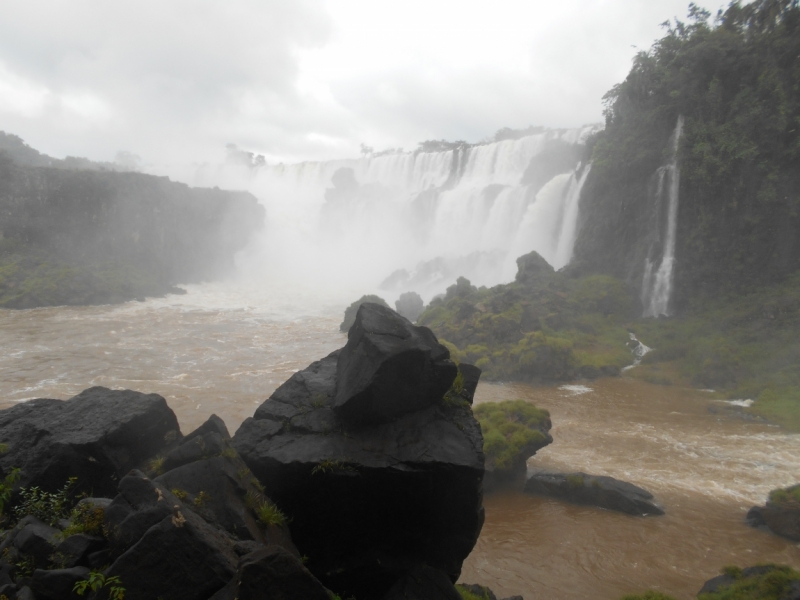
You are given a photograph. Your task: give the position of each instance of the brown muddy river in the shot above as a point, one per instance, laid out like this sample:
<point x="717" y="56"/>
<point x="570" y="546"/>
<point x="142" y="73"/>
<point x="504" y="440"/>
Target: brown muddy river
<point x="224" y="349"/>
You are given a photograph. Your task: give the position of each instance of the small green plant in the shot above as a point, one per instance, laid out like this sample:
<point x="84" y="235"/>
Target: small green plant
<point x="774" y="584"/>
<point x="257" y="484"/>
<point x="179" y="493"/>
<point x="331" y="466"/>
<point x="467" y="594"/>
<point x="319" y="401"/>
<point x="453" y="397"/>
<point x="85" y="518"/>
<point x="243" y="473"/>
<point x="7" y="487"/>
<point x="156" y="466"/>
<point x="23" y="564"/>
<point x="97" y="581"/>
<point x="201" y="499"/>
<point x="229" y="452"/>
<point x="45" y="506"/>
<point x="3" y="448"/>
<point x="269" y="514"/>
<point x="575" y="480"/>
<point x="252" y="499"/>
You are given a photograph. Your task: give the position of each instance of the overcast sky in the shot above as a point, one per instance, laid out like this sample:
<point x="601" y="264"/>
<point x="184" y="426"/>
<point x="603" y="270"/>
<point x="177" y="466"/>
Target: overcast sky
<point x="307" y="79"/>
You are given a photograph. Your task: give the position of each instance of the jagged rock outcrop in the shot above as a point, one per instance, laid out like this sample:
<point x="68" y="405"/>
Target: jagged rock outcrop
<point x="97" y="436"/>
<point x="781" y="588"/>
<point x="371" y="499"/>
<point x="782" y="517"/>
<point x="88" y="237"/>
<point x="594" y="490"/>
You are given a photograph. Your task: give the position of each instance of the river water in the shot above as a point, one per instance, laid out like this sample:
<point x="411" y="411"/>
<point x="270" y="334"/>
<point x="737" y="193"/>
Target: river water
<point x="224" y="348"/>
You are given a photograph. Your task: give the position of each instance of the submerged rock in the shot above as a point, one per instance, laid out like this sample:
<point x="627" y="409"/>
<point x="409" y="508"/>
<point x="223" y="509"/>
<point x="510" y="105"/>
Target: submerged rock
<point x="372" y="498"/>
<point x="594" y="490"/>
<point x="97" y="436"/>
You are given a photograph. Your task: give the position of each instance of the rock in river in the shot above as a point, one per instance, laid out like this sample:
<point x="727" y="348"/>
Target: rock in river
<point x="372" y="498"/>
<point x="594" y="490"/>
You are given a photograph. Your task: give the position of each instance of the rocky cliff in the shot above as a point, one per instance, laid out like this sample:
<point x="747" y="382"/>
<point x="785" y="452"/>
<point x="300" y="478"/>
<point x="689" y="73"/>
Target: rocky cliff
<point x="80" y="236"/>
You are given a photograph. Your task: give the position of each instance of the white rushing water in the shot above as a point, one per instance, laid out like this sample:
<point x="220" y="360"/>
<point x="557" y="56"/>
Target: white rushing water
<point x="427" y="217"/>
<point x="657" y="285"/>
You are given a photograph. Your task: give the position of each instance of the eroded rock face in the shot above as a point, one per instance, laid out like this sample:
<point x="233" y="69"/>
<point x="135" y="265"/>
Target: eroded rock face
<point x="371" y="502"/>
<point x="594" y="490"/>
<point x="389" y="368"/>
<point x="781" y="518"/>
<point x="97" y="436"/>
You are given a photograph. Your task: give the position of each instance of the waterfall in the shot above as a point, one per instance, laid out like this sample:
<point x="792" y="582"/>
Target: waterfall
<point x="424" y="218"/>
<point x="657" y="285"/>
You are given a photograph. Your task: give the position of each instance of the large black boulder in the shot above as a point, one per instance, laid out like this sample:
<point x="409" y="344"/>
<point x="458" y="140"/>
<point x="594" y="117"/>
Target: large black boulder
<point x="594" y="490"/>
<point x="272" y="573"/>
<point x="162" y="548"/>
<point x="389" y="368"/>
<point x="369" y="504"/>
<point x="97" y="436"/>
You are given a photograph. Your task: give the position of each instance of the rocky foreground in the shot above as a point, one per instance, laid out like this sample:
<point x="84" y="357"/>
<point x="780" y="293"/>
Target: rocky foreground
<point x="362" y="474"/>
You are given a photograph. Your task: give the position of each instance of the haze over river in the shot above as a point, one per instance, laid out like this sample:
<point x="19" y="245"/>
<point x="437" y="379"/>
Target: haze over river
<point x="224" y="348"/>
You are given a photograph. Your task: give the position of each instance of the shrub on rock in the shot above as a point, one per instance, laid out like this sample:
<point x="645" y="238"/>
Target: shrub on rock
<point x="513" y="431"/>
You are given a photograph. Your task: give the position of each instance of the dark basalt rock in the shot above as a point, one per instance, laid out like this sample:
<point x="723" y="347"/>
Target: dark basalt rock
<point x="216" y="489"/>
<point x="368" y="504"/>
<point x="197" y="448"/>
<point x="423" y="583"/>
<point x="75" y="550"/>
<point x="212" y="425"/>
<point x="169" y="551"/>
<point x="472" y="375"/>
<point x="389" y="368"/>
<point x="272" y="573"/>
<point x="57" y="584"/>
<point x="781" y="518"/>
<point x="719" y="583"/>
<point x="97" y="436"/>
<point x="594" y="490"/>
<point x="37" y="540"/>
<point x="350" y="311"/>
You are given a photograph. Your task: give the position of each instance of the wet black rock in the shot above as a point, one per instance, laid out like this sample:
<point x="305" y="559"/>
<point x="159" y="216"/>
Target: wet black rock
<point x="37" y="540"/>
<point x="57" y="584"/>
<point x="532" y="267"/>
<point x="410" y="305"/>
<point x="75" y="550"/>
<point x="351" y="311"/>
<point x="594" y="490"/>
<point x="272" y="573"/>
<point x="781" y="518"/>
<point x="368" y="504"/>
<point x="168" y="551"/>
<point x="389" y="368"/>
<point x="97" y="436"/>
<point x="423" y="583"/>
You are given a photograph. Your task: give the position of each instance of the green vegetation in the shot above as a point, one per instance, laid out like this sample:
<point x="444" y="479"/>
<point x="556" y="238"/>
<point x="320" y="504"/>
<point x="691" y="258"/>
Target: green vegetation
<point x="32" y="277"/>
<point x="467" y="594"/>
<point x="179" y="493"/>
<point x="735" y="80"/>
<point x="575" y="480"/>
<point x="7" y="487"/>
<point x="787" y="495"/>
<point x="97" y="581"/>
<point x="201" y="499"/>
<point x="45" y="506"/>
<point x="773" y="585"/>
<point x="545" y="326"/>
<point x="511" y="429"/>
<point x="269" y="514"/>
<point x="156" y="466"/>
<point x="742" y="345"/>
<point x="85" y="518"/>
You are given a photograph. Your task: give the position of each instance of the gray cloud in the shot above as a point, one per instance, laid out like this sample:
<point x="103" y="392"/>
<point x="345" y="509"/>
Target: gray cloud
<point x="176" y="81"/>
